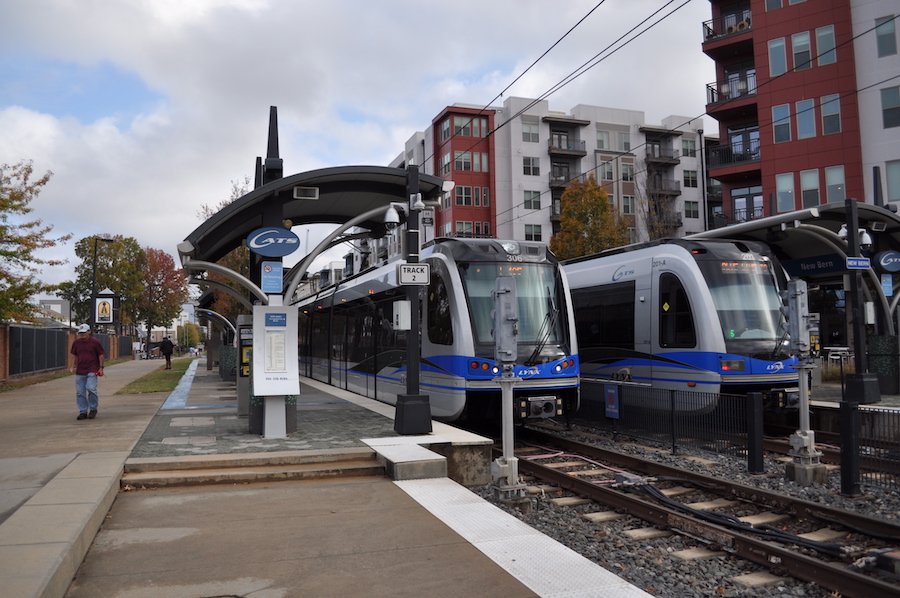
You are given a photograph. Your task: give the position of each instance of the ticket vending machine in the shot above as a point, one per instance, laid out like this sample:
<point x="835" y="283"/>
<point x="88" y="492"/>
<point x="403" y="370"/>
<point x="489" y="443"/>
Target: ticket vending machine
<point x="245" y="346"/>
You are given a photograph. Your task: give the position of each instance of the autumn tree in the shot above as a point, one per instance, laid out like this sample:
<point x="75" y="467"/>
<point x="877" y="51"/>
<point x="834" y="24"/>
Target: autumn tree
<point x="118" y="268"/>
<point x="21" y="236"/>
<point x="588" y="222"/>
<point x="164" y="289"/>
<point x="237" y="260"/>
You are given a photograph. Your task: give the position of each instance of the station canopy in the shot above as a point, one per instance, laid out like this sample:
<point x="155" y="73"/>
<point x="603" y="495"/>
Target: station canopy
<point x="344" y="192"/>
<point x="813" y="232"/>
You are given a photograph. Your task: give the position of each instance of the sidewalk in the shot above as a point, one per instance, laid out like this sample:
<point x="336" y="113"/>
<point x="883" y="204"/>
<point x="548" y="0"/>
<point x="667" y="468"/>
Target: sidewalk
<point x="67" y="529"/>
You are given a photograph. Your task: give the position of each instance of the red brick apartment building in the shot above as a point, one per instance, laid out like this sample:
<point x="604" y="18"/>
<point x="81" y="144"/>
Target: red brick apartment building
<point x="802" y="117"/>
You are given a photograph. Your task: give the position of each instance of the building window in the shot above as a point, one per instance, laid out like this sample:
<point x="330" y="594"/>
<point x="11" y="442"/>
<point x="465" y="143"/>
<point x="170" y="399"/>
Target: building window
<point x="532" y="232"/>
<point x="463" y="229"/>
<point x="690" y="178"/>
<point x="603" y="140"/>
<point x="831" y="114"/>
<point x="606" y="171"/>
<point x="445" y="130"/>
<point x="781" y="122"/>
<point x="477" y="229"/>
<point x="692" y="209"/>
<point x="530" y="133"/>
<point x="485" y="196"/>
<point x="462" y="126"/>
<point x="628" y="204"/>
<point x="484" y="163"/>
<point x="486" y="228"/>
<point x="834" y="184"/>
<point x="777" y="57"/>
<point x="625" y="142"/>
<point x="890" y="107"/>
<point x="773" y="4"/>
<point x="809" y="188"/>
<point x="689" y="148"/>
<point x="463" y="196"/>
<point x="892" y="174"/>
<point x="531" y="166"/>
<point x="477" y="191"/>
<point x="886" y="35"/>
<point x="479" y="127"/>
<point x="532" y="200"/>
<point x="463" y="161"/>
<point x="627" y="172"/>
<point x="825" y="45"/>
<point x="784" y="184"/>
<point x="802" y="57"/>
<point x="445" y="164"/>
<point x="806" y="119"/>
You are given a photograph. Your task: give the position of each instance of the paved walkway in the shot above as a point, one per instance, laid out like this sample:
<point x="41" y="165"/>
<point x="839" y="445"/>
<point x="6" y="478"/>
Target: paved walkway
<point x="67" y="530"/>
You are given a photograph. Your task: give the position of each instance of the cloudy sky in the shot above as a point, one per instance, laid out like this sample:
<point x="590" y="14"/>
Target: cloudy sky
<point x="146" y="110"/>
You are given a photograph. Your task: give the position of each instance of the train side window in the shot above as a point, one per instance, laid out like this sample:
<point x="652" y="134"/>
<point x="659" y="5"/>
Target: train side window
<point x="604" y="316"/>
<point x="676" y="321"/>
<point x="440" y="323"/>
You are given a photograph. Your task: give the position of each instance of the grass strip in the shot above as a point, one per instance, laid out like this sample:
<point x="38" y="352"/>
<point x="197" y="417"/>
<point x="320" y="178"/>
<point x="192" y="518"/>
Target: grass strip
<point x="159" y="380"/>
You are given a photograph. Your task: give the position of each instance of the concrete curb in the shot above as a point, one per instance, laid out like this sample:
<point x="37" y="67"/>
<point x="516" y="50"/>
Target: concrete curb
<point x="44" y="542"/>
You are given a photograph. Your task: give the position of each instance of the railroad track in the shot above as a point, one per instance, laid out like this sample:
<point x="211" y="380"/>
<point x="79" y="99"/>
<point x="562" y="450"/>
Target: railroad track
<point x="833" y="548"/>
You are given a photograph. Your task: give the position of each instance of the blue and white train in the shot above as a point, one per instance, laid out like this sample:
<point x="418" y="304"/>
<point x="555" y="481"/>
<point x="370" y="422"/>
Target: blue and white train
<point x="348" y="337"/>
<point x="682" y="314"/>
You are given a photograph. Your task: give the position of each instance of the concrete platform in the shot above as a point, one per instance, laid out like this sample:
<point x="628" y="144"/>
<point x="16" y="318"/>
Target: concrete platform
<point x="70" y="531"/>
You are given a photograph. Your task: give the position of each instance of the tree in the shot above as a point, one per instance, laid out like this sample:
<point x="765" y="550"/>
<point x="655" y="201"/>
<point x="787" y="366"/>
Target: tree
<point x="20" y="238"/>
<point x="165" y="288"/>
<point x="118" y="269"/>
<point x="588" y="223"/>
<point x="237" y="260"/>
<point x="188" y="336"/>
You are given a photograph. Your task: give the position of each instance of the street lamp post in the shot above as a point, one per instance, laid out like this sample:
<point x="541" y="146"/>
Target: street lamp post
<point x="93" y="318"/>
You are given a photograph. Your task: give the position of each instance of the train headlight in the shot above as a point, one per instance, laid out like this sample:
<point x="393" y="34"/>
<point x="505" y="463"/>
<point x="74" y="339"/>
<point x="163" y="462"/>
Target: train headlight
<point x="733" y="365"/>
<point x="495" y="370"/>
<point x="558" y="368"/>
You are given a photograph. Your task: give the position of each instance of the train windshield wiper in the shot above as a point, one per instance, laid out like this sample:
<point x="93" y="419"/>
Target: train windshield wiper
<point x="549" y="324"/>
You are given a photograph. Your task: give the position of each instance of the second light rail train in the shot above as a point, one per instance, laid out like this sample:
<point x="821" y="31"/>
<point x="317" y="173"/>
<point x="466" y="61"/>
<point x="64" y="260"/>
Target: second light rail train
<point x="348" y="337"/>
<point x="678" y="314"/>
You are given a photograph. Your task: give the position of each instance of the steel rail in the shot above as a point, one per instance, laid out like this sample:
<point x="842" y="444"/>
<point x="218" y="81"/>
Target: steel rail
<point x="849" y="583"/>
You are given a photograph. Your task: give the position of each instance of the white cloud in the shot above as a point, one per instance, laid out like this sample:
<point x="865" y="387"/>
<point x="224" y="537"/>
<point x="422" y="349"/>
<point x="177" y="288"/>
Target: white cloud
<point x="213" y="68"/>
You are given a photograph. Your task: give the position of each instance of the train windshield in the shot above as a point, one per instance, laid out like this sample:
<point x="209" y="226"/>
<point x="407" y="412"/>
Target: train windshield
<point x="746" y="297"/>
<point x="537" y="298"/>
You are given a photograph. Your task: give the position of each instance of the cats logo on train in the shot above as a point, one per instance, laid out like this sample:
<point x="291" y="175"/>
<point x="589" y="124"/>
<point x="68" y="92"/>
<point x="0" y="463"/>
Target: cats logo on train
<point x="273" y="241"/>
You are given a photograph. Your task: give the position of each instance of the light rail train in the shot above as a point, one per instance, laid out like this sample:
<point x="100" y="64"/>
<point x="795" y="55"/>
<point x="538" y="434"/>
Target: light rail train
<point x="347" y="335"/>
<point x="699" y="316"/>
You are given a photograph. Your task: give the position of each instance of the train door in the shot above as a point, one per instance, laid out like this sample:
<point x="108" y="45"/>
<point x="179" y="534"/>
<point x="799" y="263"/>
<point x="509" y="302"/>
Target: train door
<point x="673" y="323"/>
<point x="338" y="348"/>
<point x="360" y="350"/>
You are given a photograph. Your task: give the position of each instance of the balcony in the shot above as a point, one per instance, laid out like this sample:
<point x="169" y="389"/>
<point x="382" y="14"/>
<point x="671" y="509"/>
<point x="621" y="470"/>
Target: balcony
<point x="566" y="147"/>
<point x="721" y="156"/>
<point x="661" y="155"/>
<point x="562" y="179"/>
<point x="555" y="210"/>
<point x="663" y="186"/>
<point x="732" y="89"/>
<point x="737" y="216"/>
<point x="727" y="25"/>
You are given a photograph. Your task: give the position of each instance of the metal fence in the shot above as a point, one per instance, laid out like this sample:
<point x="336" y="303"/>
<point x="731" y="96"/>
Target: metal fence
<point x="33" y="350"/>
<point x="732" y="424"/>
<point x="879" y="447"/>
<point x="677" y="419"/>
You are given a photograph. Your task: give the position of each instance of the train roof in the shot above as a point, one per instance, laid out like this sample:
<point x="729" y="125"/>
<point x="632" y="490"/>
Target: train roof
<point x="714" y="246"/>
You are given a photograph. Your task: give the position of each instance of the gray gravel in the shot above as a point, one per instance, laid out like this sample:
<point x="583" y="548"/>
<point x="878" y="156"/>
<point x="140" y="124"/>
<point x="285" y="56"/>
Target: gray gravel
<point x="649" y="564"/>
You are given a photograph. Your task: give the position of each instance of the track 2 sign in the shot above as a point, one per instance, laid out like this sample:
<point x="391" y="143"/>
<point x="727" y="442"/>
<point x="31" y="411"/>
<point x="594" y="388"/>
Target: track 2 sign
<point x="419" y="274"/>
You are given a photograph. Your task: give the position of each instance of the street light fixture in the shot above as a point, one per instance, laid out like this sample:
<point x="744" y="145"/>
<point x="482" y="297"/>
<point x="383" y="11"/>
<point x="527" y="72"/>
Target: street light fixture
<point x="93" y="318"/>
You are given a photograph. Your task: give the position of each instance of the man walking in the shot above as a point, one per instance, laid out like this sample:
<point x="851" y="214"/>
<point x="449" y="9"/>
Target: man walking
<point x="166" y="347"/>
<point x="88" y="365"/>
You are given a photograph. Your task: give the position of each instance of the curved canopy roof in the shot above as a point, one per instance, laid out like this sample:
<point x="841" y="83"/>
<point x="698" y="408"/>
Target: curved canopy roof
<point x="812" y="232"/>
<point x="343" y="192"/>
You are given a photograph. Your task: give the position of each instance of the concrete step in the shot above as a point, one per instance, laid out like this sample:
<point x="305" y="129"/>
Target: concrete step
<point x="251" y="467"/>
